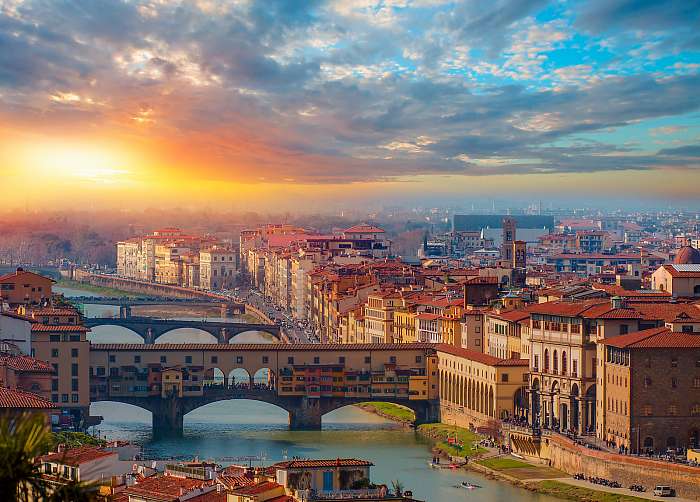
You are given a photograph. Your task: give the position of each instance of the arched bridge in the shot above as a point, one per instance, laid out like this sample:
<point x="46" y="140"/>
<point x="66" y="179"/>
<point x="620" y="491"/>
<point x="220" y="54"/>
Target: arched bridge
<point x="151" y="329"/>
<point x="304" y="413"/>
<point x="306" y="380"/>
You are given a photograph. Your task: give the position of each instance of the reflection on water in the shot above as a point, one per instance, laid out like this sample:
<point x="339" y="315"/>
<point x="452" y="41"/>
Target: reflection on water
<point x="248" y="428"/>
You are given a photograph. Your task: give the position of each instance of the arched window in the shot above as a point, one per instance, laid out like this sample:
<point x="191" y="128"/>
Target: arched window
<point x="546" y="359"/>
<point x="563" y="363"/>
<point x="696" y="290"/>
<point x="555" y="362"/>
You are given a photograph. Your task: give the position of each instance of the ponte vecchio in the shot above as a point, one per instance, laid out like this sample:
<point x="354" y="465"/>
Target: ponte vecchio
<point x="306" y="380"/>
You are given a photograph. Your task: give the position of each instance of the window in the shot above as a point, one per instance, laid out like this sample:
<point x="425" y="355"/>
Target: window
<point x="368" y="359"/>
<point x="265" y="359"/>
<point x="695" y="410"/>
<point x="54" y="352"/>
<point x="536" y="363"/>
<point x="647" y="382"/>
<point x="696" y="383"/>
<point x="188" y="359"/>
<point x="137" y="359"/>
<point x="74" y="369"/>
<point x="624" y="329"/>
<point x="574" y="368"/>
<point x="419" y="359"/>
<point x="673" y="410"/>
<point x="647" y="410"/>
<point x="674" y="362"/>
<point x="239" y="359"/>
<point x="75" y="398"/>
<point x="504" y="377"/>
<point x="74" y="352"/>
<point x="290" y="360"/>
<point x="341" y="359"/>
<point x="214" y="359"/>
<point x="74" y="385"/>
<point x="54" y="384"/>
<point x="674" y="383"/>
<point x="64" y="398"/>
<point x="317" y="360"/>
<point x="163" y="359"/>
<point x="54" y="398"/>
<point x="112" y="359"/>
<point x="100" y="370"/>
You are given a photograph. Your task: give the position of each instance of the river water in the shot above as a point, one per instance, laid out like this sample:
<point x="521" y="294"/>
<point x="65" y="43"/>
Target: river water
<point x="225" y="430"/>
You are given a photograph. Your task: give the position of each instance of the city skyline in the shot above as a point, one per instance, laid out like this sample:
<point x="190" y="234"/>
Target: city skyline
<point x="324" y="104"/>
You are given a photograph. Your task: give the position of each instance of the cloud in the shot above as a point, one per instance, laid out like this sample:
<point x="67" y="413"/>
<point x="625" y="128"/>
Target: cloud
<point x="323" y="92"/>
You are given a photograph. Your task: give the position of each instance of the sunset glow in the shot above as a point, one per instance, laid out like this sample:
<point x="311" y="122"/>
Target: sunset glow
<point x="339" y="99"/>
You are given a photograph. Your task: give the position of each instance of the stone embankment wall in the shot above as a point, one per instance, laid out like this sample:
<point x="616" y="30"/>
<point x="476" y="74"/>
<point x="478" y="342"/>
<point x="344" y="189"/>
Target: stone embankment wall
<point x="572" y="458"/>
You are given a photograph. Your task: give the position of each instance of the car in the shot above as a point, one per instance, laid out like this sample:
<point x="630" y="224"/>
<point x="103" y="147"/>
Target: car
<point x="663" y="491"/>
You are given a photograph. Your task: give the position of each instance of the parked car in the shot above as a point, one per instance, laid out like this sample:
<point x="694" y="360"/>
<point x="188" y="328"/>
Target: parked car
<point x="663" y="491"/>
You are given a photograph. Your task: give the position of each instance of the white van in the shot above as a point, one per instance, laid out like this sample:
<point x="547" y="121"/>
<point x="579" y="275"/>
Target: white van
<point x="663" y="491"/>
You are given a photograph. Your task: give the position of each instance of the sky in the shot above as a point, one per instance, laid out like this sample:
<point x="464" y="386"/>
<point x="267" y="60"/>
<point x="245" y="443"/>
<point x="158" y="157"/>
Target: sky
<point x="311" y="104"/>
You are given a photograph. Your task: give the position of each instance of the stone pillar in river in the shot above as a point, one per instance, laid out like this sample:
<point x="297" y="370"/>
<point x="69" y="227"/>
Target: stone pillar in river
<point x="306" y="415"/>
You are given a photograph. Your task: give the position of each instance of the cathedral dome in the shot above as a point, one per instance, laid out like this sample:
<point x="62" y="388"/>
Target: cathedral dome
<point x="687" y="255"/>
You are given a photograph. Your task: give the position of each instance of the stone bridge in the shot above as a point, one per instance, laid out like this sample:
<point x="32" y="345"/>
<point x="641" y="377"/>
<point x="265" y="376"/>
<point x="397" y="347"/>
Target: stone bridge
<point x="151" y="329"/>
<point x="306" y="380"/>
<point x="304" y="413"/>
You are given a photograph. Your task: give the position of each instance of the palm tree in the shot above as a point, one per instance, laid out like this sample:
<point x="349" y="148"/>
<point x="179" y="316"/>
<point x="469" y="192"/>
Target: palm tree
<point x="23" y="438"/>
<point x="398" y="488"/>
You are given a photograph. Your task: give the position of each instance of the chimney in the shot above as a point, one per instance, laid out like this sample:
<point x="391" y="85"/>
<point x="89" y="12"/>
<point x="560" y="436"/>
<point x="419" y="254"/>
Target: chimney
<point x="618" y="302"/>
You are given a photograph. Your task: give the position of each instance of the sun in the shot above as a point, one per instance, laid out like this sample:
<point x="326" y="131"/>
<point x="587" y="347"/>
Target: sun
<point x="93" y="163"/>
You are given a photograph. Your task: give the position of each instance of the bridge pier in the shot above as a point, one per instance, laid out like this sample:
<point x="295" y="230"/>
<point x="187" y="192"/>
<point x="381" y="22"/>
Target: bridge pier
<point x="124" y="312"/>
<point x="223" y="335"/>
<point x="428" y="413"/>
<point x="148" y="337"/>
<point x="306" y="416"/>
<point x="168" y="418"/>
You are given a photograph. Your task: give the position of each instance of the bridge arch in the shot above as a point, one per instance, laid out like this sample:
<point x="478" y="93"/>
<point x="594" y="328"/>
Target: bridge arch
<point x="239" y="377"/>
<point x="107" y="333"/>
<point x="186" y="335"/>
<point x="252" y="336"/>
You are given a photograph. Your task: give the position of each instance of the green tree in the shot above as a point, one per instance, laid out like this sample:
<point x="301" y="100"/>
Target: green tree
<point x="22" y="439"/>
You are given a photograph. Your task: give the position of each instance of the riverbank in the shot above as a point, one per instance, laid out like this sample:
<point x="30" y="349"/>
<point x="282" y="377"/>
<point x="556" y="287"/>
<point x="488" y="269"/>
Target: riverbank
<point x="98" y="290"/>
<point x="390" y="411"/>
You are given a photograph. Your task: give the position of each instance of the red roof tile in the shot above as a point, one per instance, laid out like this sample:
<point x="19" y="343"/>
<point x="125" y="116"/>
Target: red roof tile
<point x="25" y="363"/>
<point x="77" y="456"/>
<point x="166" y="488"/>
<point x="321" y="463"/>
<point x="655" y="338"/>
<point x="363" y="228"/>
<point x="480" y="357"/>
<point x="62" y="328"/>
<point x="15" y="398"/>
<point x="256" y="489"/>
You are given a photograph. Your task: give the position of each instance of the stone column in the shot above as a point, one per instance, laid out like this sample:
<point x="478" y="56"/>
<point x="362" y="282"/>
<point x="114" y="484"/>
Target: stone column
<point x="167" y="418"/>
<point x="148" y="338"/>
<point x="581" y="416"/>
<point x="306" y="416"/>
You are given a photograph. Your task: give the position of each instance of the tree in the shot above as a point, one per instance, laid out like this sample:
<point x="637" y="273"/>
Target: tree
<point x="22" y="439"/>
<point x="398" y="488"/>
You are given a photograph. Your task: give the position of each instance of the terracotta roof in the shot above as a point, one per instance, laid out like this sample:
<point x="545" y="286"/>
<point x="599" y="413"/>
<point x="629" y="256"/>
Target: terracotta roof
<point x="482" y="280"/>
<point x="511" y="315"/>
<point x="655" y="338"/>
<point x="565" y="309"/>
<point x="279" y="347"/>
<point x="321" y="463"/>
<point x="25" y="363"/>
<point x="679" y="271"/>
<point x="363" y="228"/>
<point x="77" y="456"/>
<point x="480" y="357"/>
<point x="212" y="496"/>
<point x="15" y="398"/>
<point x="48" y="311"/>
<point x="63" y="328"/>
<point x="20" y="272"/>
<point x="428" y="317"/>
<point x="256" y="489"/>
<point x="165" y="488"/>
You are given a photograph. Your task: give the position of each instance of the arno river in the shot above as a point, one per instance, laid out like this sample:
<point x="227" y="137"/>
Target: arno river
<point x="223" y="430"/>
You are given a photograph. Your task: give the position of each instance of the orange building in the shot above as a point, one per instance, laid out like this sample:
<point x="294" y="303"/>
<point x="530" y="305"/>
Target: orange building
<point x="22" y="287"/>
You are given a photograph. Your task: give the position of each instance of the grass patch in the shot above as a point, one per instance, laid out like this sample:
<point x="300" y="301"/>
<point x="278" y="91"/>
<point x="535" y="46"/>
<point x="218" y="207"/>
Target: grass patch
<point x="570" y="492"/>
<point x="74" y="440"/>
<point x="501" y="463"/>
<point x="441" y="433"/>
<point x="390" y="410"/>
<point x="99" y="290"/>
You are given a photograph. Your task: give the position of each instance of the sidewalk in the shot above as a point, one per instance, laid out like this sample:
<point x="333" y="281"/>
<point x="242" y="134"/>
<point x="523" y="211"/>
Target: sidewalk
<point x="620" y="491"/>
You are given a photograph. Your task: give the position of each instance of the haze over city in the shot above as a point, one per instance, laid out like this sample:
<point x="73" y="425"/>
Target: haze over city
<point x="348" y="102"/>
